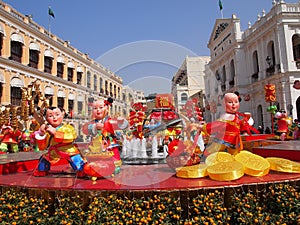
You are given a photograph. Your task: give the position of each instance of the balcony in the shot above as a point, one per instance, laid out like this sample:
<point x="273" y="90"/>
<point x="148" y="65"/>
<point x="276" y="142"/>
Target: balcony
<point x="270" y="71"/>
<point x="254" y="77"/>
<point x="298" y="64"/>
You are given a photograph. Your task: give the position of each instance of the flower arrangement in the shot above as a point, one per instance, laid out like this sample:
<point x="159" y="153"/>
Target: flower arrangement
<point x="276" y="203"/>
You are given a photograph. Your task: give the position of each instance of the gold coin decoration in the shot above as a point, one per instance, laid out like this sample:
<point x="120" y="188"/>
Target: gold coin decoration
<point x="254" y="165"/>
<point x="226" y="171"/>
<point x="194" y="171"/>
<point x="283" y="165"/>
<point x="218" y="157"/>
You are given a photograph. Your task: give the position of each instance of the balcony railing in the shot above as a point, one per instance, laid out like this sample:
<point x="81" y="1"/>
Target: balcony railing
<point x="254" y="77"/>
<point x="270" y="71"/>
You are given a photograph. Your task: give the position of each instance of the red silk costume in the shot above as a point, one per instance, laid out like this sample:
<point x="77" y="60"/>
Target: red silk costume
<point x="105" y="136"/>
<point x="224" y="135"/>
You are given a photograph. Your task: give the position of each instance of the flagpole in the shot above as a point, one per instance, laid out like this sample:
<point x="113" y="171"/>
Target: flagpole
<point x="49" y="25"/>
<point x="221" y="13"/>
<point x="49" y="22"/>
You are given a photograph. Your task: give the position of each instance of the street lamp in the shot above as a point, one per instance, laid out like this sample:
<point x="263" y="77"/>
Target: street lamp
<point x="268" y="59"/>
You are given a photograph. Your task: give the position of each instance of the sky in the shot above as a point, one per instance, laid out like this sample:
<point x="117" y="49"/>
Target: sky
<point x="143" y="42"/>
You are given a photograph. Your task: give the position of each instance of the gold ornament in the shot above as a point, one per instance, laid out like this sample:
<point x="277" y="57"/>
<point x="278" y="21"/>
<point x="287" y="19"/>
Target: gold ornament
<point x="218" y="157"/>
<point x="254" y="165"/>
<point x="195" y="171"/>
<point x="283" y="165"/>
<point x="226" y="171"/>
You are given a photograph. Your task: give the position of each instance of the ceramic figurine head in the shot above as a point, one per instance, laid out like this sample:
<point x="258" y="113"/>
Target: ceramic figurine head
<point x="231" y="103"/>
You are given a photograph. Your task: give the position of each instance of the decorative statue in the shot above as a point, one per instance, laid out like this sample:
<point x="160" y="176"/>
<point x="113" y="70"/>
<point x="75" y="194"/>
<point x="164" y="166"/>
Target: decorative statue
<point x="225" y="133"/>
<point x="102" y="129"/>
<point x="60" y="137"/>
<point x="283" y="123"/>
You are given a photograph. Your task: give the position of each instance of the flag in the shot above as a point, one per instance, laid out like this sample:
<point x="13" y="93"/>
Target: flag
<point x="50" y="12"/>
<point x="220" y="5"/>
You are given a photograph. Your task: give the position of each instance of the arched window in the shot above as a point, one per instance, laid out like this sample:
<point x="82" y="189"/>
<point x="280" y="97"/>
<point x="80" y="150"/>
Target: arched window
<point x="270" y="59"/>
<point x="223" y="79"/>
<point x="115" y="91"/>
<point x="110" y="90"/>
<point x="79" y="75"/>
<point x="88" y="79"/>
<point x="60" y="69"/>
<point x="2" y="34"/>
<point x="15" y="90"/>
<point x="95" y="82"/>
<point x="183" y="98"/>
<point x="61" y="98"/>
<point x="260" y="119"/>
<point x="101" y="85"/>
<point x="16" y="44"/>
<point x="255" y="66"/>
<point x="296" y="47"/>
<point x="70" y="74"/>
<point x="48" y="60"/>
<point x="16" y="50"/>
<point x="232" y="74"/>
<point x="106" y="87"/>
<point x="34" y="50"/>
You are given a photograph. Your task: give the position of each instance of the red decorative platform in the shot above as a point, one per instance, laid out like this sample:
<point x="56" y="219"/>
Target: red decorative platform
<point x="135" y="180"/>
<point x="284" y="149"/>
<point x="16" y="170"/>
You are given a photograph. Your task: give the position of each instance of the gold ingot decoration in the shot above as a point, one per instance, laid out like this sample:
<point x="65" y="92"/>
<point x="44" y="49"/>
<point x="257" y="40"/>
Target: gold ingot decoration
<point x="283" y="165"/>
<point x="254" y="165"/>
<point x="6" y="115"/>
<point x="218" y="157"/>
<point x="194" y="171"/>
<point x="226" y="171"/>
<point x="14" y="119"/>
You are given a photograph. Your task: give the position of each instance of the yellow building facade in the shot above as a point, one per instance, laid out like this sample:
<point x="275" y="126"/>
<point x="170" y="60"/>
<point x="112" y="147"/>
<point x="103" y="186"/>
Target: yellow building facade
<point x="70" y="78"/>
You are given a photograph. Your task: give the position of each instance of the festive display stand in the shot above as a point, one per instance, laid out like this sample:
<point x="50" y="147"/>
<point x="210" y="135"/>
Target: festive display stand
<point x="134" y="182"/>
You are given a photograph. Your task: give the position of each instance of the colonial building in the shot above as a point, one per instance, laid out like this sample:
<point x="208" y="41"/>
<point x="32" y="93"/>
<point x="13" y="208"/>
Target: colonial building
<point x="29" y="52"/>
<point x="131" y="96"/>
<point x="188" y="81"/>
<point x="267" y="52"/>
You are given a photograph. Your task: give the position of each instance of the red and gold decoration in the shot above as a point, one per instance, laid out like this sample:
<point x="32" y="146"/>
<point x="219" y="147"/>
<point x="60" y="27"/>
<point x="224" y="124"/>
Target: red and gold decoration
<point x="270" y="93"/>
<point x="192" y="110"/>
<point x="164" y="101"/>
<point x="223" y="166"/>
<point x="182" y="154"/>
<point x="14" y="120"/>
<point x="296" y="84"/>
<point x="136" y="118"/>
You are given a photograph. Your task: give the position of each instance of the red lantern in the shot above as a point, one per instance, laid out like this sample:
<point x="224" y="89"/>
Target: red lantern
<point x="247" y="98"/>
<point x="270" y="93"/>
<point x="296" y="84"/>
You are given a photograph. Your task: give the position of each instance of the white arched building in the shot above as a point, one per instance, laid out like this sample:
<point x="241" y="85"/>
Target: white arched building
<point x="268" y="52"/>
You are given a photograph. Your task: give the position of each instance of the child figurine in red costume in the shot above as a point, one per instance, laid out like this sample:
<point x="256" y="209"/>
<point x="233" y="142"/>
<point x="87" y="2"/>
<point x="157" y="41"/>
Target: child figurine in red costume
<point x="102" y="131"/>
<point x="283" y="123"/>
<point x="225" y="132"/>
<point x="58" y="138"/>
